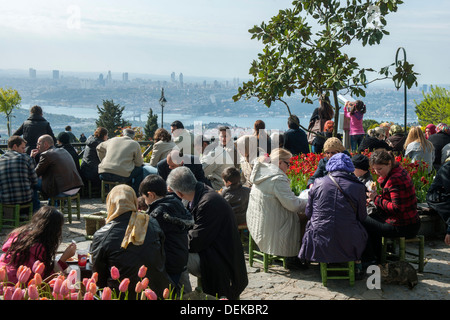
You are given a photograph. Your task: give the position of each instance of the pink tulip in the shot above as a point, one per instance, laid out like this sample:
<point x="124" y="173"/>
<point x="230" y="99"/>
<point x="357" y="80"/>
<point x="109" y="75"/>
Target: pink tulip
<point x="37" y="279"/>
<point x="57" y="285"/>
<point x="3" y="274"/>
<point x="33" y="292"/>
<point x="142" y="271"/>
<point x="150" y="294"/>
<point x="144" y="283"/>
<point x="64" y="290"/>
<point x="24" y="275"/>
<point x="88" y="296"/>
<point x="8" y="293"/>
<point x="92" y="287"/>
<point x="95" y="276"/>
<point x="19" y="271"/>
<point x="72" y="278"/>
<point x="138" y="287"/>
<point x="73" y="296"/>
<point x="124" y="285"/>
<point x="38" y="267"/>
<point x="115" y="274"/>
<point x="106" y="294"/>
<point x="17" y="295"/>
<point x="166" y="293"/>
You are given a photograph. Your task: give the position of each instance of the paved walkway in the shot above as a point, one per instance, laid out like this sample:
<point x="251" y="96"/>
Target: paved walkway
<point x="281" y="284"/>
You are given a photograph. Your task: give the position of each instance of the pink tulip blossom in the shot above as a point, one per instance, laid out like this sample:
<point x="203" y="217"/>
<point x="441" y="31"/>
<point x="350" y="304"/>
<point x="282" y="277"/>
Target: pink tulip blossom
<point x="138" y="287"/>
<point x="64" y="290"/>
<point x="38" y="267"/>
<point x="124" y="285"/>
<point x="142" y="271"/>
<point x="33" y="292"/>
<point x="17" y="295"/>
<point x="37" y="279"/>
<point x="3" y="274"/>
<point x="24" y="275"/>
<point x="166" y="293"/>
<point x="150" y="294"/>
<point x="107" y="293"/>
<point x="7" y="295"/>
<point x="88" y="296"/>
<point x="144" y="283"/>
<point x="115" y="274"/>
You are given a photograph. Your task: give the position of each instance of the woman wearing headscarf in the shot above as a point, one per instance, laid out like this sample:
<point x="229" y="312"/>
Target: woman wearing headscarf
<point x="430" y="129"/>
<point x="335" y="209"/>
<point x="129" y="240"/>
<point x="396" y="139"/>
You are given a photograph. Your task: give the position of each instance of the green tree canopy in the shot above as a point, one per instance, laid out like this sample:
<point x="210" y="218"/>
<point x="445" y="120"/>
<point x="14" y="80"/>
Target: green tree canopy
<point x="151" y="126"/>
<point x="297" y="58"/>
<point x="110" y="117"/>
<point x="9" y="100"/>
<point x="435" y="107"/>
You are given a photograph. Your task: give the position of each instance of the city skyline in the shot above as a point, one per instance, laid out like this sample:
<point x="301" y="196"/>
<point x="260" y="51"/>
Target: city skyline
<point x="197" y="38"/>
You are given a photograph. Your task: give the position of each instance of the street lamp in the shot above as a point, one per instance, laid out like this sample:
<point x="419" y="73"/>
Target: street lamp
<point x="162" y="102"/>
<point x="399" y="82"/>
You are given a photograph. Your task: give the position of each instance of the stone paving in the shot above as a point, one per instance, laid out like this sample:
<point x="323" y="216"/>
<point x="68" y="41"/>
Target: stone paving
<point x="281" y="284"/>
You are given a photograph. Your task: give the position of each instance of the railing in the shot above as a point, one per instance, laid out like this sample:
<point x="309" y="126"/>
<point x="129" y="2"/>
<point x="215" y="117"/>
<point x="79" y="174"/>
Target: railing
<point x="80" y="146"/>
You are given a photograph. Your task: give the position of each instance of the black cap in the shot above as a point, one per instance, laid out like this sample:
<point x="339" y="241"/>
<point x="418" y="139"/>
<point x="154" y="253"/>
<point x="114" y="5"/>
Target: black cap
<point x="360" y="161"/>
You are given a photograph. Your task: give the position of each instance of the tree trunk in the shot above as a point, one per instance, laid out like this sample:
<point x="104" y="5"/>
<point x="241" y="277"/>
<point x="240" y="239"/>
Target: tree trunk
<point x="336" y="112"/>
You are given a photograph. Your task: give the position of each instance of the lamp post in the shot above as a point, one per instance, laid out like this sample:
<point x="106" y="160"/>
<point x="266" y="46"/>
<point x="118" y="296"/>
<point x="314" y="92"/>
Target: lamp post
<point x="162" y="102"/>
<point x="398" y="84"/>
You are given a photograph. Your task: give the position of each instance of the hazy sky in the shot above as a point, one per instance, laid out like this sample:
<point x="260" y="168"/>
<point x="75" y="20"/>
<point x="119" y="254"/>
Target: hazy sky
<point x="196" y="37"/>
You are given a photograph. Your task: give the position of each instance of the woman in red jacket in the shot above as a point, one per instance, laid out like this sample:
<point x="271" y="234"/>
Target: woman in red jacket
<point x="396" y="206"/>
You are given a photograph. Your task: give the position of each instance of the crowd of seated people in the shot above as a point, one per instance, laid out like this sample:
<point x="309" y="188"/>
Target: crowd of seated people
<point x="194" y="198"/>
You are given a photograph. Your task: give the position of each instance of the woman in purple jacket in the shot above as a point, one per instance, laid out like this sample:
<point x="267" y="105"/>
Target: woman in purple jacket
<point x="334" y="232"/>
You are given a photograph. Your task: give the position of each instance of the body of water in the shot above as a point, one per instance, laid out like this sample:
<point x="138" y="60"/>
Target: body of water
<point x="272" y="123"/>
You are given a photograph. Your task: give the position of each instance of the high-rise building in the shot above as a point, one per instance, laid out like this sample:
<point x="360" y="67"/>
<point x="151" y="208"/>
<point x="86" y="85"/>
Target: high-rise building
<point x="172" y="77"/>
<point x="109" y="78"/>
<point x="55" y="74"/>
<point x="125" y="77"/>
<point x="32" y="73"/>
<point x="181" y="79"/>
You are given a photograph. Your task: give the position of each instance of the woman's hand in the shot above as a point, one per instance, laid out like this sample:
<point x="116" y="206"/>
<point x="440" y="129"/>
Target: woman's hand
<point x="69" y="252"/>
<point x="371" y="195"/>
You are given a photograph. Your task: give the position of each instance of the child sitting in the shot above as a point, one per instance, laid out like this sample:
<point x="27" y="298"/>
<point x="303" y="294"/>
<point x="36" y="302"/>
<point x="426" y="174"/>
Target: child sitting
<point x="361" y="164"/>
<point x="235" y="193"/>
<point x="174" y="220"/>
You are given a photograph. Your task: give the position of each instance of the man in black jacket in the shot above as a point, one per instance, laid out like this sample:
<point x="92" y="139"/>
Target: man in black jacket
<point x="438" y="196"/>
<point x="215" y="249"/>
<point x="295" y="139"/>
<point x="34" y="127"/>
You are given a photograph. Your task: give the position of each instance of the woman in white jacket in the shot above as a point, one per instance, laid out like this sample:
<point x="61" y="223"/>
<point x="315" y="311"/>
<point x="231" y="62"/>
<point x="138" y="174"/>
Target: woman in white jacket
<point x="273" y="213"/>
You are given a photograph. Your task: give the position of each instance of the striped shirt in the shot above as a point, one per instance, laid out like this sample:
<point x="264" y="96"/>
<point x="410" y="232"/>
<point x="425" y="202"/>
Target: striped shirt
<point x="17" y="178"/>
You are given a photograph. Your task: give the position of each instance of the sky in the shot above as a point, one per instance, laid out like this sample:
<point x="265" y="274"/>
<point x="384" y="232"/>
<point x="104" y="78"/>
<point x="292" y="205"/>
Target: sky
<point x="201" y="38"/>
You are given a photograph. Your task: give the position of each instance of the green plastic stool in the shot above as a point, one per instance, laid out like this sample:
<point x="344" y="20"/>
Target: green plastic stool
<point x="16" y="216"/>
<point x="68" y="209"/>
<point x="350" y="269"/>
<point x="267" y="259"/>
<point x="110" y="184"/>
<point x="401" y="243"/>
